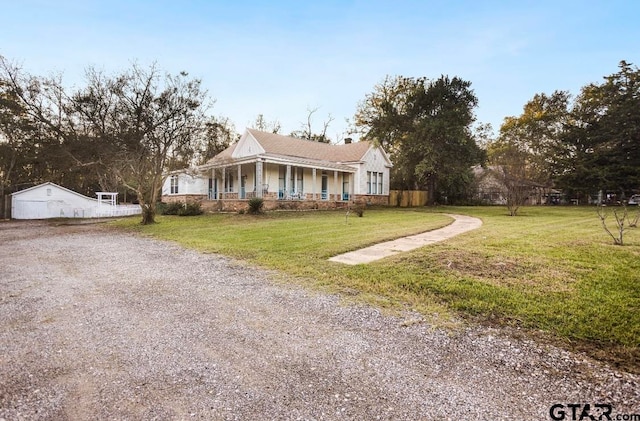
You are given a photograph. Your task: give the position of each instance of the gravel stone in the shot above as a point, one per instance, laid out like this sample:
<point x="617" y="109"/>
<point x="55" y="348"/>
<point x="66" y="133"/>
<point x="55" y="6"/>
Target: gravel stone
<point x="97" y="324"/>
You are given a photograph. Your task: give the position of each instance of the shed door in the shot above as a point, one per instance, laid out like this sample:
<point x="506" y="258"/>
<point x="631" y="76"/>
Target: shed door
<point x="30" y="209"/>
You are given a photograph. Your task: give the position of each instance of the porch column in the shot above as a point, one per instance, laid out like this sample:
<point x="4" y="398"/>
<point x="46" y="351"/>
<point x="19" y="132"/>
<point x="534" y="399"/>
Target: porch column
<point x="259" y="178"/>
<point x="239" y="183"/>
<point x="287" y="177"/>
<point x="313" y="184"/>
<point x="223" y="190"/>
<point x="213" y="184"/>
<point x="352" y="185"/>
<point x="335" y="186"/>
<point x="295" y="179"/>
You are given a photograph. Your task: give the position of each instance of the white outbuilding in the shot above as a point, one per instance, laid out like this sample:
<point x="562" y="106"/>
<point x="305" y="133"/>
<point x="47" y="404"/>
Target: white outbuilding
<point x="49" y="200"/>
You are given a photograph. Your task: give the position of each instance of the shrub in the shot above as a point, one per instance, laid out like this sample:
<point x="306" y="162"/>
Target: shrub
<point x="255" y="205"/>
<point x="172" y="208"/>
<point x="190" y="209"/>
<point x="358" y="208"/>
<point x="161" y="207"/>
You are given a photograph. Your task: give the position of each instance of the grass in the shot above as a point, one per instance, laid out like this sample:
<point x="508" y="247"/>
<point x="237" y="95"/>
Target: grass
<point x="551" y="271"/>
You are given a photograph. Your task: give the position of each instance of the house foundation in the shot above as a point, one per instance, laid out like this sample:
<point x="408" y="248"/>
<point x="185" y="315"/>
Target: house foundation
<point x="272" y="203"/>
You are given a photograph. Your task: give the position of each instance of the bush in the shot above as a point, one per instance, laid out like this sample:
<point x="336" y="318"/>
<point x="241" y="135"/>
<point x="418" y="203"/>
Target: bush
<point x="170" y="208"/>
<point x="358" y="208"/>
<point x="161" y="207"/>
<point x="255" y="205"/>
<point x="179" y="208"/>
<point x="190" y="209"/>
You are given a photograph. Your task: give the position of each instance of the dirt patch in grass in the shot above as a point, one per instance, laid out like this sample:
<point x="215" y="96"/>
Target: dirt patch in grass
<point x="506" y="271"/>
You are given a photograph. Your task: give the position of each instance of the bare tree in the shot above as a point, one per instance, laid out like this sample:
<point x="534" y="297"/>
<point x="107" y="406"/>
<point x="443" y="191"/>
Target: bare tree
<point x="147" y="118"/>
<point x="620" y="218"/>
<point x="633" y="221"/>
<point x="509" y="168"/>
<point x="261" y="123"/>
<point x="134" y="122"/>
<point x="306" y="132"/>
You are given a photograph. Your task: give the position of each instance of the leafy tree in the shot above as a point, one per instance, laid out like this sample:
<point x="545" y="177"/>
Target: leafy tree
<point x="600" y="148"/>
<point x="25" y="146"/>
<point x="218" y="134"/>
<point x="15" y="135"/>
<point x="426" y="126"/>
<point x="524" y="153"/>
<point x="536" y="134"/>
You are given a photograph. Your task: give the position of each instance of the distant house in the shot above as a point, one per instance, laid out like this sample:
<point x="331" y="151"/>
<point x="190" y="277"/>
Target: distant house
<point x="491" y="190"/>
<point x="49" y="200"/>
<point x="282" y="169"/>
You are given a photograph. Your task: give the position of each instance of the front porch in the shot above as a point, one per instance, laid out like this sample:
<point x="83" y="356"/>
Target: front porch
<point x="273" y="181"/>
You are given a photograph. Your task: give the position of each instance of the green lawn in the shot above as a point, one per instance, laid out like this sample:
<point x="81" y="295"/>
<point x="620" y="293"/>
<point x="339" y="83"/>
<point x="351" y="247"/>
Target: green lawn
<point x="552" y="271"/>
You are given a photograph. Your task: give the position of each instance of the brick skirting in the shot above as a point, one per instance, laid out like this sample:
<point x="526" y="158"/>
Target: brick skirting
<point x="232" y="204"/>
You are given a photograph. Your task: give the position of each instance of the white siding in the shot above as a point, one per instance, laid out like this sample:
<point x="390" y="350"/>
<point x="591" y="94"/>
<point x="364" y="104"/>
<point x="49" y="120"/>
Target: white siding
<point x="52" y="201"/>
<point x="374" y="161"/>
<point x="247" y="146"/>
<point x="187" y="184"/>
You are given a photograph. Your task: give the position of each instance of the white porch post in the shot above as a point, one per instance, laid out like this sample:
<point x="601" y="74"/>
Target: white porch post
<point x="223" y="190"/>
<point x="352" y="185"/>
<point x="239" y="183"/>
<point x="313" y="184"/>
<point x="287" y="177"/>
<point x="295" y="179"/>
<point x="259" y="178"/>
<point x="213" y="184"/>
<point x="335" y="186"/>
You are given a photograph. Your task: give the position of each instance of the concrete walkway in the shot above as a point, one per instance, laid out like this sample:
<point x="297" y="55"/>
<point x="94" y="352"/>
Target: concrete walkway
<point x="461" y="224"/>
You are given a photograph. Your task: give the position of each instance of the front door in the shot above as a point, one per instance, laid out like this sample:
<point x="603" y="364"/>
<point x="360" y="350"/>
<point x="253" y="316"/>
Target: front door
<point x="345" y="186"/>
<point x="243" y="182"/>
<point x="325" y="187"/>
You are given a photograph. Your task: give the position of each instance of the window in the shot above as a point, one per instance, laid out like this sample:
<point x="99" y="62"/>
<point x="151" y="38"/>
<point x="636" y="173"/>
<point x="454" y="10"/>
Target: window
<point x="374" y="182"/>
<point x="174" y="184"/>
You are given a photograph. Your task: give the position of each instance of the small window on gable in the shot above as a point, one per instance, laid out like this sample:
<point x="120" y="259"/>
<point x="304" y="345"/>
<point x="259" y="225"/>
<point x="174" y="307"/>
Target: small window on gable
<point x="49" y="192"/>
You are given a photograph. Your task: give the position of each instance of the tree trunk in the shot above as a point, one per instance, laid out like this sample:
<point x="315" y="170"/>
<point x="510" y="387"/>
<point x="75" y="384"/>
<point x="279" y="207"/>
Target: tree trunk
<point x="148" y="214"/>
<point x="431" y="192"/>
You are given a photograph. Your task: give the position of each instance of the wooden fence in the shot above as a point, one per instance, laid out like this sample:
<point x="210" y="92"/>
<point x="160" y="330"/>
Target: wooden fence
<point x="407" y="198"/>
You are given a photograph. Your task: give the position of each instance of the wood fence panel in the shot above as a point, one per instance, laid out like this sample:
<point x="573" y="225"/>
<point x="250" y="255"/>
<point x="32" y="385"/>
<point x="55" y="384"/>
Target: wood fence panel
<point x="407" y="198"/>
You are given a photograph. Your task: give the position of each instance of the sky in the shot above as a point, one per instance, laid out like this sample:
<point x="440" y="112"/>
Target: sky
<point x="282" y="58"/>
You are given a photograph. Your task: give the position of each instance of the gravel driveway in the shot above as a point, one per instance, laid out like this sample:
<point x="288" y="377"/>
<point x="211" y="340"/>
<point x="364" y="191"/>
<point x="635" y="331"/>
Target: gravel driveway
<point x="97" y="324"/>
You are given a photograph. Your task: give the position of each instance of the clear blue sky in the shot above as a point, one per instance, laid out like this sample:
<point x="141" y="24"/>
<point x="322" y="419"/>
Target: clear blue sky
<point x="279" y="58"/>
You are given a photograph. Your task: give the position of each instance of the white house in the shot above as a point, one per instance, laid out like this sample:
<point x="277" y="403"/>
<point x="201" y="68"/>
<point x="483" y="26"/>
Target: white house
<point x="283" y="168"/>
<point x="49" y="200"/>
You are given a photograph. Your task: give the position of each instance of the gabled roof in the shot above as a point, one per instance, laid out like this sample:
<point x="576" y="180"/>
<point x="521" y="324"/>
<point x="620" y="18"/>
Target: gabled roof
<point x="49" y="183"/>
<point x="290" y="146"/>
<point x="298" y="150"/>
